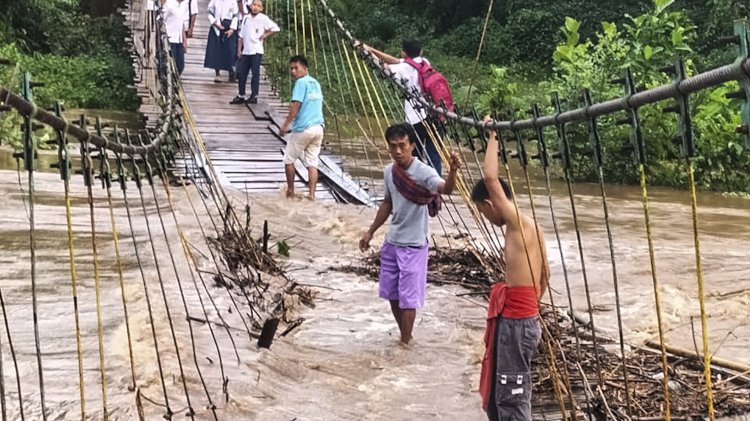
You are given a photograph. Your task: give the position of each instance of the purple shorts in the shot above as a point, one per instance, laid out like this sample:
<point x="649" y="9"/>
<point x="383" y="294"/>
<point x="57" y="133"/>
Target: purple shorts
<point x="403" y="274"/>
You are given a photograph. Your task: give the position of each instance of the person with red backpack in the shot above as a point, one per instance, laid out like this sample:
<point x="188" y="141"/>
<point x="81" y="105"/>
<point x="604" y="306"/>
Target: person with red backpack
<point x="421" y="79"/>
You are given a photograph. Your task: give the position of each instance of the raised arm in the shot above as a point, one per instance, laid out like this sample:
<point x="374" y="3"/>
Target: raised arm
<point x="449" y="184"/>
<point x="497" y="196"/>
<point x="385" y="57"/>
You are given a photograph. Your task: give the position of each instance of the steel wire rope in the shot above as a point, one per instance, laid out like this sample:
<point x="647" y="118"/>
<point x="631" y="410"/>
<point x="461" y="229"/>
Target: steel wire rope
<point x="216" y="193"/>
<point x="14" y="75"/>
<point x="523" y="159"/>
<point x="479" y="52"/>
<point x="178" y="281"/>
<point x="161" y="170"/>
<point x="88" y="177"/>
<point x="30" y="152"/>
<point x="213" y="257"/>
<point x="136" y="176"/>
<point x="562" y="136"/>
<point x="599" y="161"/>
<point x="701" y="289"/>
<point x="545" y="158"/>
<point x="106" y="178"/>
<point x="157" y="266"/>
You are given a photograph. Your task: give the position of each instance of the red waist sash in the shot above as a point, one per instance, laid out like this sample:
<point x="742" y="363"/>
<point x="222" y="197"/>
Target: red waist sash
<point x="511" y="303"/>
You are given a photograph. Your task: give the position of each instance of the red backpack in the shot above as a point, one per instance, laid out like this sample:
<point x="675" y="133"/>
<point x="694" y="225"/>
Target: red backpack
<point x="434" y="85"/>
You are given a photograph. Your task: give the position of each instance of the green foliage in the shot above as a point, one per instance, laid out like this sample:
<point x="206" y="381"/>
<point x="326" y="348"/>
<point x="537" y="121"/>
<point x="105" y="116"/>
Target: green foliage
<point x="723" y="161"/>
<point x="643" y="43"/>
<point x="282" y="247"/>
<point x="79" y="82"/>
<point x="83" y="60"/>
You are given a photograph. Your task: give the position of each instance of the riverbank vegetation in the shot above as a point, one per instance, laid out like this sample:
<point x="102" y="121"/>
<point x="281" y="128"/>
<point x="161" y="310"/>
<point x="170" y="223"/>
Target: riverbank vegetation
<point x="76" y="47"/>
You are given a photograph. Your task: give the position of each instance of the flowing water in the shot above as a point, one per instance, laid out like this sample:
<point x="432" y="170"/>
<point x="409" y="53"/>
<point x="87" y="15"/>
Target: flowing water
<point x="343" y="362"/>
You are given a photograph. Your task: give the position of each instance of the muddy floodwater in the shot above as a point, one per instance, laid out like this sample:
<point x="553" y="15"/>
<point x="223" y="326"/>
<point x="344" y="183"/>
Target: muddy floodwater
<point x="343" y="362"/>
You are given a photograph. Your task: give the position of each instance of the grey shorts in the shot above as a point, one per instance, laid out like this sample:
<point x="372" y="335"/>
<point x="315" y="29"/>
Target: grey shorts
<point x="516" y="341"/>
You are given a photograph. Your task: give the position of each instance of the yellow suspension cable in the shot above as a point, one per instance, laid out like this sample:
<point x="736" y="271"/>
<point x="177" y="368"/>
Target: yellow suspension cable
<point x="97" y="289"/>
<point x="552" y="359"/>
<point x="479" y="51"/>
<point x="369" y="98"/>
<point x="657" y="299"/>
<point x="356" y="85"/>
<point x="553" y="365"/>
<point x="304" y="28"/>
<point x="296" y="28"/>
<point x="121" y="279"/>
<point x="74" y="285"/>
<point x="312" y="36"/>
<point x="701" y="292"/>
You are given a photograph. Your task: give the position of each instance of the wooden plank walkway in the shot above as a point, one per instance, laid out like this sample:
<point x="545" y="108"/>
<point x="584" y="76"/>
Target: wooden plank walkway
<point x="244" y="148"/>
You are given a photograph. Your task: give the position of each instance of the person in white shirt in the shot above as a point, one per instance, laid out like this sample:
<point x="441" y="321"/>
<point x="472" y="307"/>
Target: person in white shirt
<point x="174" y="17"/>
<point x="192" y="13"/>
<point x="255" y="28"/>
<point x="412" y="49"/>
<point x="222" y="39"/>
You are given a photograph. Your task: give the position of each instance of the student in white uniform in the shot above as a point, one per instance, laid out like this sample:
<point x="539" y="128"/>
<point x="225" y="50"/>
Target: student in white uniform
<point x="256" y="27"/>
<point x="192" y="13"/>
<point x="174" y="15"/>
<point x="221" y="49"/>
<point x="404" y="68"/>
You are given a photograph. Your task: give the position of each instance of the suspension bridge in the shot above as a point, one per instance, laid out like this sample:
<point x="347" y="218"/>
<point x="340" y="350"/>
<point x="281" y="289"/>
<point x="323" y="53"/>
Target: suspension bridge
<point x="179" y="293"/>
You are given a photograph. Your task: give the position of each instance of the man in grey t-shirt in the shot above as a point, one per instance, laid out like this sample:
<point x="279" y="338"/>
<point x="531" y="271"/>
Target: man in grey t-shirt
<point x="412" y="191"/>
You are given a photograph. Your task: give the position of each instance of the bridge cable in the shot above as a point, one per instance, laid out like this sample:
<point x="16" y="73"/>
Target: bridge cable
<point x="479" y="51"/>
<point x="88" y="177"/>
<point x="157" y="266"/>
<point x="160" y="169"/>
<point x="151" y="172"/>
<point x="14" y="75"/>
<point x="522" y="156"/>
<point x="187" y="115"/>
<point x="213" y="258"/>
<point x="544" y="157"/>
<point x="599" y="161"/>
<point x="137" y="178"/>
<point x="29" y="158"/>
<point x="562" y="136"/>
<point x="106" y="178"/>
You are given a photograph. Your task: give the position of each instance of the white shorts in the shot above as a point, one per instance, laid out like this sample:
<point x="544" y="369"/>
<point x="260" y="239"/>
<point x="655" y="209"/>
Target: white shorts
<point x="305" y="146"/>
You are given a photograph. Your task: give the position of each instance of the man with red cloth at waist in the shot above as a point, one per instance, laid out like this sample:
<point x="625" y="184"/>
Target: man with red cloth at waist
<point x="412" y="192"/>
<point x="513" y="329"/>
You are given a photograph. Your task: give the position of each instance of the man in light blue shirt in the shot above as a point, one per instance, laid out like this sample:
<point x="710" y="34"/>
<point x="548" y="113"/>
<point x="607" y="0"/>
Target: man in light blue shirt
<point x="306" y="121"/>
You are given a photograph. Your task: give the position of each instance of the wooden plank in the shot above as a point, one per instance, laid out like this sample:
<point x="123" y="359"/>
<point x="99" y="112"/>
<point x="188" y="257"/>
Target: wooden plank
<point x="260" y="110"/>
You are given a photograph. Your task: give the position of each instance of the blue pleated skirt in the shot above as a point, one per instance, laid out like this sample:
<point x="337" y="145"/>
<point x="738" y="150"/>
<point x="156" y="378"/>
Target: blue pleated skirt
<point x="221" y="50"/>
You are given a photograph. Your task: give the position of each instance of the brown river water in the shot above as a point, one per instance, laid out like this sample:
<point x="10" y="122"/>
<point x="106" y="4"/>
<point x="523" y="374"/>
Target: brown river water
<point x="343" y="362"/>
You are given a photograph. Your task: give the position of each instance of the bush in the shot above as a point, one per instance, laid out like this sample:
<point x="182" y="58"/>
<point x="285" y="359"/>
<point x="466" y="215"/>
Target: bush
<point x="80" y="82"/>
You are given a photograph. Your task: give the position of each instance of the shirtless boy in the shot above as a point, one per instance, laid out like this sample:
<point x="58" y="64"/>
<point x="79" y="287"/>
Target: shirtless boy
<point x="513" y="329"/>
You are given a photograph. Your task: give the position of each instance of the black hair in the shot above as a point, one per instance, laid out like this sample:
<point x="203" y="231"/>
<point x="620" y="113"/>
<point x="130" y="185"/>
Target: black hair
<point x="400" y="131"/>
<point x="480" y="192"/>
<point x="299" y="59"/>
<point x="412" y="48"/>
